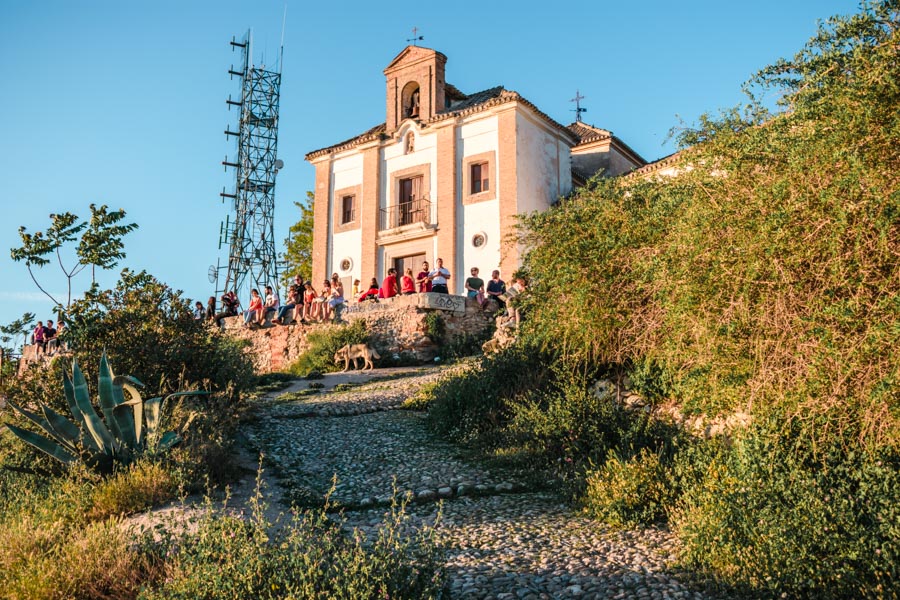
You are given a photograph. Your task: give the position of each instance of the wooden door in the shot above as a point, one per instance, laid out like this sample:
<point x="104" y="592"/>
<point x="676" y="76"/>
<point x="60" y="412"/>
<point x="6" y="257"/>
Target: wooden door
<point x="413" y="262"/>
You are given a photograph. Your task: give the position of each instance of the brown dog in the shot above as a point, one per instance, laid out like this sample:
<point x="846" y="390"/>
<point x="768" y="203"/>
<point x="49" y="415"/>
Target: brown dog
<point x="354" y="352"/>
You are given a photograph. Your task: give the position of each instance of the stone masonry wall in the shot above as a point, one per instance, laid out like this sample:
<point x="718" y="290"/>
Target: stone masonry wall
<point x="398" y="327"/>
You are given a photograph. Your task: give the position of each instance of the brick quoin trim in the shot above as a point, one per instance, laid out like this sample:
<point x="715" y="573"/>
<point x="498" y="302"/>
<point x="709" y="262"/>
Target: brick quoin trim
<point x="321" y="210"/>
<point x="369" y="213"/>
<point x="447" y="202"/>
<point x="508" y="190"/>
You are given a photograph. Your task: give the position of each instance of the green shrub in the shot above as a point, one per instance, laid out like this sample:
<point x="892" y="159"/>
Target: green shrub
<point x="140" y="486"/>
<point x="476" y="403"/>
<point x="778" y="517"/>
<point x="324" y="343"/>
<point x="51" y="560"/>
<point x="310" y="557"/>
<point x="435" y="327"/>
<point x="568" y="429"/>
<point x="147" y="330"/>
<point x="627" y="493"/>
<point x="461" y="346"/>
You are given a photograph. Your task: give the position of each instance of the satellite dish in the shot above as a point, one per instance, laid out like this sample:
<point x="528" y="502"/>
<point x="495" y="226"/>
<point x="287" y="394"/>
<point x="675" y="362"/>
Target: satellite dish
<point x="279" y="164"/>
<point x="213" y="273"/>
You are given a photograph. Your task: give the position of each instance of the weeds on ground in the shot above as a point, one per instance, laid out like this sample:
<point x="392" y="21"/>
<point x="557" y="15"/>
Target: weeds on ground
<point x="311" y="556"/>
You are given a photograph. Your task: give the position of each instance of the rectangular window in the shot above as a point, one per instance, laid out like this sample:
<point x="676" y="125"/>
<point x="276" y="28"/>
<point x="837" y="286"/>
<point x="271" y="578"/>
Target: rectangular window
<point x="480" y="178"/>
<point x="348" y="209"/>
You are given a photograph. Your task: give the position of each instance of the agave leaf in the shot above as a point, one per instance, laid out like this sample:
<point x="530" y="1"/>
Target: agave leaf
<point x="123" y="411"/>
<point x="43" y="444"/>
<point x="168" y="439"/>
<point x="194" y="393"/>
<point x="70" y="399"/>
<point x="151" y="407"/>
<point x="136" y="403"/>
<point x="85" y="439"/>
<point x="63" y="430"/>
<point x="108" y="400"/>
<point x="92" y="421"/>
<point x="38" y="420"/>
<point x="42" y="422"/>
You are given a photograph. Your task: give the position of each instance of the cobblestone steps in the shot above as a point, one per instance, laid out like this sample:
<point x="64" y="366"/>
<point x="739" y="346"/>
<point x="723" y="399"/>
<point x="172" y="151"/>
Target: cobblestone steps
<point x="503" y="538"/>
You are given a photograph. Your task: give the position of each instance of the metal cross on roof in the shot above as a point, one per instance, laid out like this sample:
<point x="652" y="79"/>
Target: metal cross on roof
<point x="578" y="109"/>
<point x="415" y="38"/>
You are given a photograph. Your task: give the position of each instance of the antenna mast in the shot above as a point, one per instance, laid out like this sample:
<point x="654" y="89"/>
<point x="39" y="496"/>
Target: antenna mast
<point x="249" y="230"/>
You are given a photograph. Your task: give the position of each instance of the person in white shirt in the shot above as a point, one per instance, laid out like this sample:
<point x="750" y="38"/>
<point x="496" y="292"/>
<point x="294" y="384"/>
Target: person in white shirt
<point x="271" y="305"/>
<point x="439" y="278"/>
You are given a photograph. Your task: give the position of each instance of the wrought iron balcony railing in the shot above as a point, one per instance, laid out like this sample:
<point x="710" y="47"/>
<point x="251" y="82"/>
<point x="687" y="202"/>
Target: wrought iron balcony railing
<point x="406" y="213"/>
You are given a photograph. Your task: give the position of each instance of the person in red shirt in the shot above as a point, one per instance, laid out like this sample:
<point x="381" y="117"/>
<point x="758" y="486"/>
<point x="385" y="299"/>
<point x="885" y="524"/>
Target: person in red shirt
<point x="371" y="293"/>
<point x="422" y="279"/>
<point x="310" y="308"/>
<point x="255" y="310"/>
<point x="407" y="285"/>
<point x="389" y="285"/>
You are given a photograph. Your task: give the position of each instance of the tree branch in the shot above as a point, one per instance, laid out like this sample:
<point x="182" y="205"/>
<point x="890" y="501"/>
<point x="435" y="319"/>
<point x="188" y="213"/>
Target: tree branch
<point x="46" y="293"/>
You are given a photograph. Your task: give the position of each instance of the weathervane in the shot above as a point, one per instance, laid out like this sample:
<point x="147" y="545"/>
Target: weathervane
<point x="578" y="109"/>
<point x="415" y="38"/>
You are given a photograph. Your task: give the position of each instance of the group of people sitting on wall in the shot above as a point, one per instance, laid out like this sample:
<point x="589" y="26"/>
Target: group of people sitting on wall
<point x="45" y="338"/>
<point x="306" y="305"/>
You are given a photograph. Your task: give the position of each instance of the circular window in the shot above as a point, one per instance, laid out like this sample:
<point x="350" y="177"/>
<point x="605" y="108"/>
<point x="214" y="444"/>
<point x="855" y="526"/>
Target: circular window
<point x="346" y="264"/>
<point x="479" y="239"/>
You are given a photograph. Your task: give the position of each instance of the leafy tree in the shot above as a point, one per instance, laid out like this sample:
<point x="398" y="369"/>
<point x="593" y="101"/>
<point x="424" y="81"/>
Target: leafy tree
<point x="8" y="334"/>
<point x="99" y="245"/>
<point x="20" y="326"/>
<point x="147" y="330"/>
<point x="298" y="246"/>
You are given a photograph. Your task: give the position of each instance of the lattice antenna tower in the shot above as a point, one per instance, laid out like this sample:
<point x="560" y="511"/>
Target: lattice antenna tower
<point x="248" y="232"/>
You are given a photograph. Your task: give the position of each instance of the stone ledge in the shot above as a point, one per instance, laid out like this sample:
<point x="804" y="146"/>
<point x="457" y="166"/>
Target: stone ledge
<point x="425" y="301"/>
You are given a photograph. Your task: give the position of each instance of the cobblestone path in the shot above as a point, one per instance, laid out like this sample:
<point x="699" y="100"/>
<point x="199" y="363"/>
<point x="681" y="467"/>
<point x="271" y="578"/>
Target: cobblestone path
<point x="502" y="539"/>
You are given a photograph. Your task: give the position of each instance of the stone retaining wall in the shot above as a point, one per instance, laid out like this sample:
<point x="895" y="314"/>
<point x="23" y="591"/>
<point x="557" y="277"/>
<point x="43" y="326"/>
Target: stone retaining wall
<point x="398" y="327"/>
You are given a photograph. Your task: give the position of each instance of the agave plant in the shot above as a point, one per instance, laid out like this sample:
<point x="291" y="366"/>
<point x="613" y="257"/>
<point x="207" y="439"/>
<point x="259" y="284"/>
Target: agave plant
<point x="129" y="427"/>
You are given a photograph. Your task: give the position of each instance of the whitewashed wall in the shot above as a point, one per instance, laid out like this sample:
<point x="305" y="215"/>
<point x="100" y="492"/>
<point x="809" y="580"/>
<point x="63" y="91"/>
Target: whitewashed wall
<point x="544" y="168"/>
<point x="346" y="171"/>
<point x="476" y="137"/>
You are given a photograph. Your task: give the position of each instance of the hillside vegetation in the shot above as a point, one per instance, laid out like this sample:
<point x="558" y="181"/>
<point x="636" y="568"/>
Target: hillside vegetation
<point x="767" y="274"/>
<point x="764" y="278"/>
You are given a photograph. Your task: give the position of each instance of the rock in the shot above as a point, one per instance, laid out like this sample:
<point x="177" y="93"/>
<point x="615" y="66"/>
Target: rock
<point x="425" y="495"/>
<point x="445" y="492"/>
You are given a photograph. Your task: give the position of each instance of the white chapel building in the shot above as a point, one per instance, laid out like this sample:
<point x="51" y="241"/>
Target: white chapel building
<point x="444" y="177"/>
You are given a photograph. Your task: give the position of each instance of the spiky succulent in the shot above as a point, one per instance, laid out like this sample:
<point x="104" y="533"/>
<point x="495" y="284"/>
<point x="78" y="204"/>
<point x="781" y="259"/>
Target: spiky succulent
<point x="129" y="427"/>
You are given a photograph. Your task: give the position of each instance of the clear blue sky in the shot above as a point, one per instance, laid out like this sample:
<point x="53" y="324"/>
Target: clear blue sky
<point x="122" y="103"/>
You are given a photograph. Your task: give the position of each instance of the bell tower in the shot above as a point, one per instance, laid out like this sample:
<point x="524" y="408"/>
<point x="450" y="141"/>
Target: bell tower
<point x="415" y="86"/>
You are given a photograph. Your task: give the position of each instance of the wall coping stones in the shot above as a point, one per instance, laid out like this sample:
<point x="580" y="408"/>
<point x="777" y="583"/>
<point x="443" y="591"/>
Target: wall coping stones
<point x="426" y="301"/>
